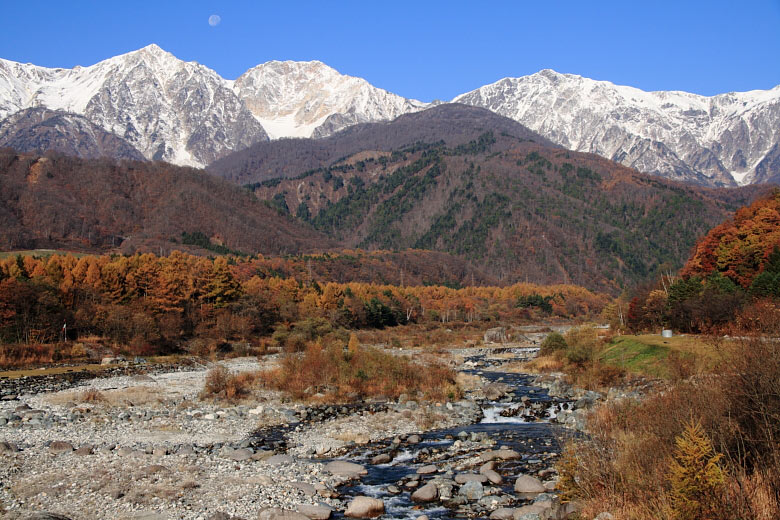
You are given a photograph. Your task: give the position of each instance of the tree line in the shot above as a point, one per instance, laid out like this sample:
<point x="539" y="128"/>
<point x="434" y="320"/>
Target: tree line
<point x="161" y="303"/>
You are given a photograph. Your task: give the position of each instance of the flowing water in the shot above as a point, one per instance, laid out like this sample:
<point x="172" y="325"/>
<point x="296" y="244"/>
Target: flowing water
<point x="530" y="434"/>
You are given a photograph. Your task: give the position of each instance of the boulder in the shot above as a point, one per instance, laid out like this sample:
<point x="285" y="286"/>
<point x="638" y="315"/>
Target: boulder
<point x="345" y="469"/>
<point x="462" y="478"/>
<point x="472" y="490"/>
<point x="528" y="487"/>
<point x="315" y="512"/>
<point x="382" y="458"/>
<point x="533" y="509"/>
<point x="503" y="513"/>
<point x="365" y="507"/>
<point x="490" y="465"/>
<point x="499" y="454"/>
<point x="428" y="493"/>
<point x="239" y="455"/>
<point x="306" y="488"/>
<point x="84" y="450"/>
<point x="492" y="476"/>
<point x="428" y="469"/>
<point x="604" y="516"/>
<point x="277" y="460"/>
<point x="495" y="391"/>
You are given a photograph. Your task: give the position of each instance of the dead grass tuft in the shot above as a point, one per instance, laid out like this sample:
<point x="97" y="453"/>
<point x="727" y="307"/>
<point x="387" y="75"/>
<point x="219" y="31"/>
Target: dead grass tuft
<point x="92" y="395"/>
<point x="224" y="385"/>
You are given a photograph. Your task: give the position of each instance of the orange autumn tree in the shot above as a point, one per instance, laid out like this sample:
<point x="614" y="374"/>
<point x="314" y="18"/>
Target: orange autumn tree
<point x="739" y="248"/>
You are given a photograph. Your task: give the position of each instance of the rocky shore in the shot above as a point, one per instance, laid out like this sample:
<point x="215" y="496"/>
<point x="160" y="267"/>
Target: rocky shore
<point x="133" y="446"/>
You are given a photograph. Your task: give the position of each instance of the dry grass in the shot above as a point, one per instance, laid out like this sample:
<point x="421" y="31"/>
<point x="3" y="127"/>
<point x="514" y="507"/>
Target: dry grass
<point x="623" y="466"/>
<point x="336" y="372"/>
<point x="15" y="355"/>
<point x="92" y="395"/>
<point x="540" y="364"/>
<point x="425" y="336"/>
<point x="221" y="384"/>
<point x="123" y="397"/>
<point x="468" y="382"/>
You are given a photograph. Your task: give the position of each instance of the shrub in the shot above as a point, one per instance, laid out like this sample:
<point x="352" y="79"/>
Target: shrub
<point x="582" y="344"/>
<point x="634" y="463"/>
<point x="92" y="395"/>
<point x="579" y="355"/>
<point x="552" y="343"/>
<point x="222" y="384"/>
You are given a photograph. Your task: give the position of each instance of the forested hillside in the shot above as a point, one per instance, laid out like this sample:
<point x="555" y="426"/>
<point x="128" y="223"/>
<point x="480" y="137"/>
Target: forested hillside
<point x="744" y="248"/>
<point x="517" y="209"/>
<point x="66" y="202"/>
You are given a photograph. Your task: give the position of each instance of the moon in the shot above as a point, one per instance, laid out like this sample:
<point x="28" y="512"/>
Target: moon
<point x="214" y="20"/>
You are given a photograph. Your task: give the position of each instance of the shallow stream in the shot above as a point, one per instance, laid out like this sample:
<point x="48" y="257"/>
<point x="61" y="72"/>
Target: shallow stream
<point x="530" y="434"/>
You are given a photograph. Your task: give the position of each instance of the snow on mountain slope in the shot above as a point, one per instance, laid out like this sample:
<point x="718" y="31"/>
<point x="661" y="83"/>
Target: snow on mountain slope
<point x="310" y="99"/>
<point x="719" y="140"/>
<point x="185" y="113"/>
<point x="168" y="109"/>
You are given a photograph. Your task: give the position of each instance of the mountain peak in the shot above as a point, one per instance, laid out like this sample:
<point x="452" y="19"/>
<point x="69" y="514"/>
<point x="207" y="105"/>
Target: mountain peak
<point x="719" y="140"/>
<point x="310" y="98"/>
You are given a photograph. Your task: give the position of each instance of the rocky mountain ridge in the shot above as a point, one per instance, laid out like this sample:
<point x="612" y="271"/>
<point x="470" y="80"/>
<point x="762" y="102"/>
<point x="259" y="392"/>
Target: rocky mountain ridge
<point x="185" y="113"/>
<point x="729" y="139"/>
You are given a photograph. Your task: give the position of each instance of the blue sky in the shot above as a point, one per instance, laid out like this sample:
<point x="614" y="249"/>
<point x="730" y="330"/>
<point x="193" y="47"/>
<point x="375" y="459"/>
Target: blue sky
<point x="424" y="49"/>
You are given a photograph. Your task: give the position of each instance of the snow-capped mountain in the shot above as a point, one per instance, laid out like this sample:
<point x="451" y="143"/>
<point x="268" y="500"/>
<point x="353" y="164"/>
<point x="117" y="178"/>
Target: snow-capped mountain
<point x="168" y="109"/>
<point x="310" y="99"/>
<point x="185" y="113"/>
<point x="726" y="139"/>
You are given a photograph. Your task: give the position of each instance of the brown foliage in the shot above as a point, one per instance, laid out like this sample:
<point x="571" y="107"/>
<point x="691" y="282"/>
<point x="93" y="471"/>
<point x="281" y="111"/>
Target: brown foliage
<point x="624" y="465"/>
<point x="95" y="204"/>
<point x="223" y="385"/>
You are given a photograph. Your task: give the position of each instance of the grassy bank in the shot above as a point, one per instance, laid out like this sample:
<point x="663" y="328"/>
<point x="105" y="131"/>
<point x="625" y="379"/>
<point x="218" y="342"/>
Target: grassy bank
<point x="704" y="448"/>
<point x="652" y="355"/>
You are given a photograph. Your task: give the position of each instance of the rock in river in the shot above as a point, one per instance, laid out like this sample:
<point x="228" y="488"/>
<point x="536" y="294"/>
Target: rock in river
<point x="428" y="493"/>
<point x="365" y="507"/>
<point x="528" y="487"/>
<point x="345" y="469"/>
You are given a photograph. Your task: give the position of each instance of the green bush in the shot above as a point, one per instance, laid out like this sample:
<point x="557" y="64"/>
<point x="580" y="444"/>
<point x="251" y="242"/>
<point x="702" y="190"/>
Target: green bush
<point x="579" y="355"/>
<point x="554" y="342"/>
